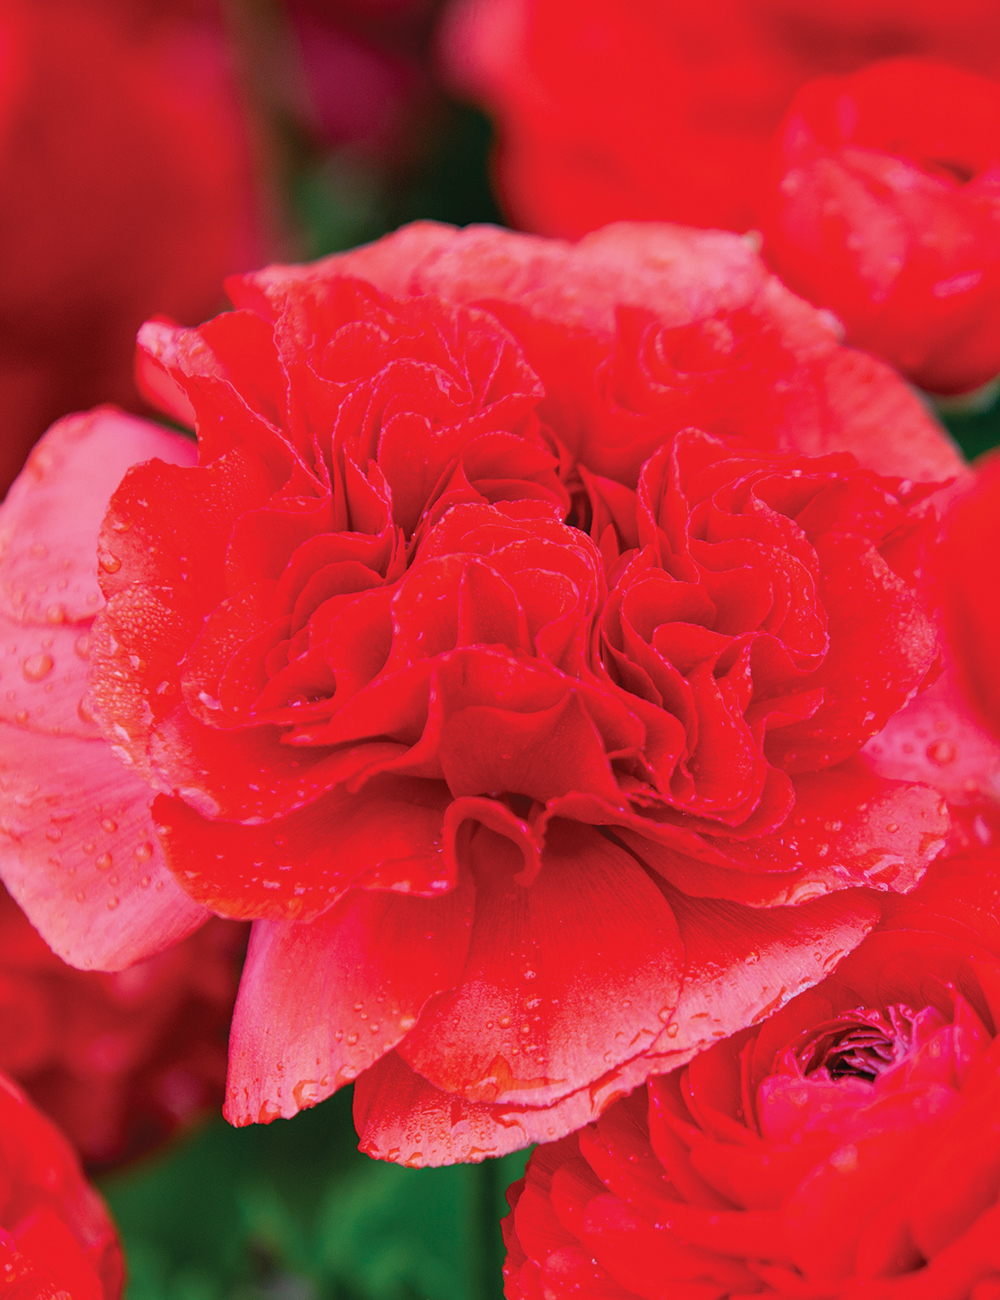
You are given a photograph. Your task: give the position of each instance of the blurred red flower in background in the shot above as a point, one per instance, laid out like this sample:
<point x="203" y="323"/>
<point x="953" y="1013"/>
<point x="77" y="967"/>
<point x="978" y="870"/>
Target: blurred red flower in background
<point x="129" y="188"/>
<point x="119" y="1061"/>
<point x="884" y="205"/>
<point x="849" y="1145"/>
<point x="663" y="110"/>
<point x="365" y="69"/>
<point x="499" y="702"/>
<point x="56" y="1238"/>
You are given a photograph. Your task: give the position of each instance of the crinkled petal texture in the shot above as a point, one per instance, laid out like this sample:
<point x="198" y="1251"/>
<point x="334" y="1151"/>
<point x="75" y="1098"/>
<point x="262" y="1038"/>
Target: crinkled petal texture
<point x="884" y="206"/>
<point x="643" y="329"/>
<point x="56" y="1237"/>
<point x="120" y="1061"/>
<point x="532" y="754"/>
<point x="846" y="1147"/>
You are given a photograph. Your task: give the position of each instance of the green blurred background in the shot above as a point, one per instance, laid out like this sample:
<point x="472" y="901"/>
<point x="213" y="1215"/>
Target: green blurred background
<point x="294" y="1212"/>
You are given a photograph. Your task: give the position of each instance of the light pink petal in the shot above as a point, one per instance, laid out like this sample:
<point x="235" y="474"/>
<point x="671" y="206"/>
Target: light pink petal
<point x="742" y="965"/>
<point x="320" y="1001"/>
<point x="52" y="515"/>
<point x="79" y="854"/>
<point x="938" y="739"/>
<point x="43" y="677"/>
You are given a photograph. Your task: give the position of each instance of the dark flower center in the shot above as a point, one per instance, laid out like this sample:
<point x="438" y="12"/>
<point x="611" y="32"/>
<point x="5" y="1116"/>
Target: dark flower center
<point x="860" y="1045"/>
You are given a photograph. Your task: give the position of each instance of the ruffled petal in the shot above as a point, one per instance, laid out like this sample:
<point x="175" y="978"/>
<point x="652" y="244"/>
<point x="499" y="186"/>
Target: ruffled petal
<point x="849" y="827"/>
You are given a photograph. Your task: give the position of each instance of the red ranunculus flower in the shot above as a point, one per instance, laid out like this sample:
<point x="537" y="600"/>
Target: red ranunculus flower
<point x="128" y="189"/>
<point x="120" y="1061"/>
<point x="847" y="1147"/>
<point x="885" y="207"/>
<point x="664" y="110"/>
<point x="56" y="1239"/>
<point x="532" y="757"/>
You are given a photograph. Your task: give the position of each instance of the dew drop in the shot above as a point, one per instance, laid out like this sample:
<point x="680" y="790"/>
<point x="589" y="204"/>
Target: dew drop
<point x="36" y="666"/>
<point x="110" y="825"/>
<point x="108" y="562"/>
<point x="112" y="903"/>
<point x="55" y="613"/>
<point x="941" y="752"/>
<point x="143" y="851"/>
<point x="103" y="863"/>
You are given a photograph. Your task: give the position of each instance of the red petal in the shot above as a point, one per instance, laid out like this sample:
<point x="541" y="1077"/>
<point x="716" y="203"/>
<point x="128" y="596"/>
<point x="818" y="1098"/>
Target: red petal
<point x="368" y="966"/>
<point x="742" y="965"/>
<point x="881" y="420"/>
<point x="847" y="828"/>
<point x="387" y="837"/>
<point x="565" y="979"/>
<point x="80" y="856"/>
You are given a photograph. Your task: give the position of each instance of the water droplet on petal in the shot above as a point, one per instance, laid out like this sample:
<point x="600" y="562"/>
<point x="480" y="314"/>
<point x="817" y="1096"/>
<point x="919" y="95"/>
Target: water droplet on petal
<point x="941" y="752"/>
<point x="36" y="666"/>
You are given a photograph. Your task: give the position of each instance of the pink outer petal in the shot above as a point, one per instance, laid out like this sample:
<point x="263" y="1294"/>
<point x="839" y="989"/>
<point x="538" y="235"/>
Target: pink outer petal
<point x="52" y="515"/>
<point x="676" y="271"/>
<point x="938" y="739"/>
<point x="43" y="677"/>
<point x="79" y="854"/>
<point x="742" y="965"/>
<point x="321" y="1001"/>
